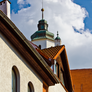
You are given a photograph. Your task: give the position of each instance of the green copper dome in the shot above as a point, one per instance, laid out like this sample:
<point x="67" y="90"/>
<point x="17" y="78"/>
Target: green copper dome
<point x="57" y="38"/>
<point x="42" y="35"/>
<point x="42" y="32"/>
<point x="42" y="25"/>
<point x="42" y="21"/>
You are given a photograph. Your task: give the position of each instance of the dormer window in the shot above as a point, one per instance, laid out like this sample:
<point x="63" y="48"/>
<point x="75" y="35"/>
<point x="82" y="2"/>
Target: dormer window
<point x="52" y="67"/>
<point x="56" y="68"/>
<point x="58" y="71"/>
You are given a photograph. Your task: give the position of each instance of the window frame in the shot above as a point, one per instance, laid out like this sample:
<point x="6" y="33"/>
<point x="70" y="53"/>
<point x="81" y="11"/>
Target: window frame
<point x="14" y="81"/>
<point x="17" y="76"/>
<point x="30" y="87"/>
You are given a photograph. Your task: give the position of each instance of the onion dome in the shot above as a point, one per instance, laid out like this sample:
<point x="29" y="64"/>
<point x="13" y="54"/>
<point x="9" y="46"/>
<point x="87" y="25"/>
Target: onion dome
<point x="42" y="25"/>
<point x="42" y="32"/>
<point x="57" y="38"/>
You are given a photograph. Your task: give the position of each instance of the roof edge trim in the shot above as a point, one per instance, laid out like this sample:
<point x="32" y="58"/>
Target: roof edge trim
<point x="59" y="52"/>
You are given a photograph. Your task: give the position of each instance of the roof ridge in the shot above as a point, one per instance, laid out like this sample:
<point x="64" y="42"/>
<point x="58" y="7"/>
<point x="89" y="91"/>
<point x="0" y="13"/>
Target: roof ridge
<point x="53" y="47"/>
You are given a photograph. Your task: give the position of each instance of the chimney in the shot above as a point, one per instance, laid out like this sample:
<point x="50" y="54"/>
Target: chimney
<point x="5" y="7"/>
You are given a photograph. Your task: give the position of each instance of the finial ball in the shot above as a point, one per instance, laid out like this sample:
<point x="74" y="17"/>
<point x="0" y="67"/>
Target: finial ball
<point x="42" y="9"/>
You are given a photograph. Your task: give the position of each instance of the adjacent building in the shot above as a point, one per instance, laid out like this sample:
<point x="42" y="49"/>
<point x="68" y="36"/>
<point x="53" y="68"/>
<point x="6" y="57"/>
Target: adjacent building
<point x="82" y="79"/>
<point x="5" y="7"/>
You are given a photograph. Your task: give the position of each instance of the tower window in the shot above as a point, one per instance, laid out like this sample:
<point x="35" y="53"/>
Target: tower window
<point x="40" y="46"/>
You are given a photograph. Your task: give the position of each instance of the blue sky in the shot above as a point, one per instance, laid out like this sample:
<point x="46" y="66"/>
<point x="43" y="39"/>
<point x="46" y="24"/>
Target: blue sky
<point x="16" y="7"/>
<point x="71" y="18"/>
<point x="87" y="4"/>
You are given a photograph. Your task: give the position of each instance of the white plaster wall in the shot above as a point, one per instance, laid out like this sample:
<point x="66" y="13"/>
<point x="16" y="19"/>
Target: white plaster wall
<point x="57" y="43"/>
<point x="5" y="7"/>
<point x="44" y="43"/>
<point x="50" y="43"/>
<point x="10" y="57"/>
<point x="56" y="88"/>
<point x="40" y="42"/>
<point x="8" y="8"/>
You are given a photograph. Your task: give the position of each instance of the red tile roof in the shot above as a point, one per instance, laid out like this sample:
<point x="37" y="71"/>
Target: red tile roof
<point x="49" y="53"/>
<point x="53" y="52"/>
<point x="82" y="80"/>
<point x="39" y="50"/>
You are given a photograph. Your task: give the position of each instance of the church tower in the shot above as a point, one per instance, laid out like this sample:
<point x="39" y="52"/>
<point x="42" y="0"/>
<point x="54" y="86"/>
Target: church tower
<point x="43" y="38"/>
<point x="57" y="40"/>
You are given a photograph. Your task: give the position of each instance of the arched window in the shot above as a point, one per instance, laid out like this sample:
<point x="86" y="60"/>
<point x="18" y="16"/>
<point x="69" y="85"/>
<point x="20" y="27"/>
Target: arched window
<point x="15" y="80"/>
<point x="30" y="87"/>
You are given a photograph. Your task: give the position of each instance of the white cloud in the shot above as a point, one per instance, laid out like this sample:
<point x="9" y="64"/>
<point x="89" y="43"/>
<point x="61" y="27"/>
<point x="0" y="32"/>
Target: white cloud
<point x="62" y="16"/>
<point x="51" y="1"/>
<point x="20" y="1"/>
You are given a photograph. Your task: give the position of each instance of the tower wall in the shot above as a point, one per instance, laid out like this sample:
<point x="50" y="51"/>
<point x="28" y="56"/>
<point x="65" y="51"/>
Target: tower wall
<point x="57" y="42"/>
<point x="44" y="43"/>
<point x="5" y="7"/>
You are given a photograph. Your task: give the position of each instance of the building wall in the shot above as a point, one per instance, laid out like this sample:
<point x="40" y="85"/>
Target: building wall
<point x="8" y="8"/>
<point x="56" y="88"/>
<point x="44" y="43"/>
<point x="5" y="7"/>
<point x="57" y="42"/>
<point x="50" y="43"/>
<point x="82" y="80"/>
<point x="9" y="57"/>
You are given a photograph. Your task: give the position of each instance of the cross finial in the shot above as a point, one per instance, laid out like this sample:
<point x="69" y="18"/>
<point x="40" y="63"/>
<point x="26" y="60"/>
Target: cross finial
<point x="57" y="34"/>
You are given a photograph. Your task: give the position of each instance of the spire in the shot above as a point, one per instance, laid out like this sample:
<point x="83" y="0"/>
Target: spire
<point x="57" y="34"/>
<point x="57" y="38"/>
<point x="42" y="25"/>
<point x="42" y="10"/>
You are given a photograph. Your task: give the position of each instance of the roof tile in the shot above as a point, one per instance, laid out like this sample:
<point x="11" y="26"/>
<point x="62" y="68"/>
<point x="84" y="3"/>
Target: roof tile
<point x="53" y="51"/>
